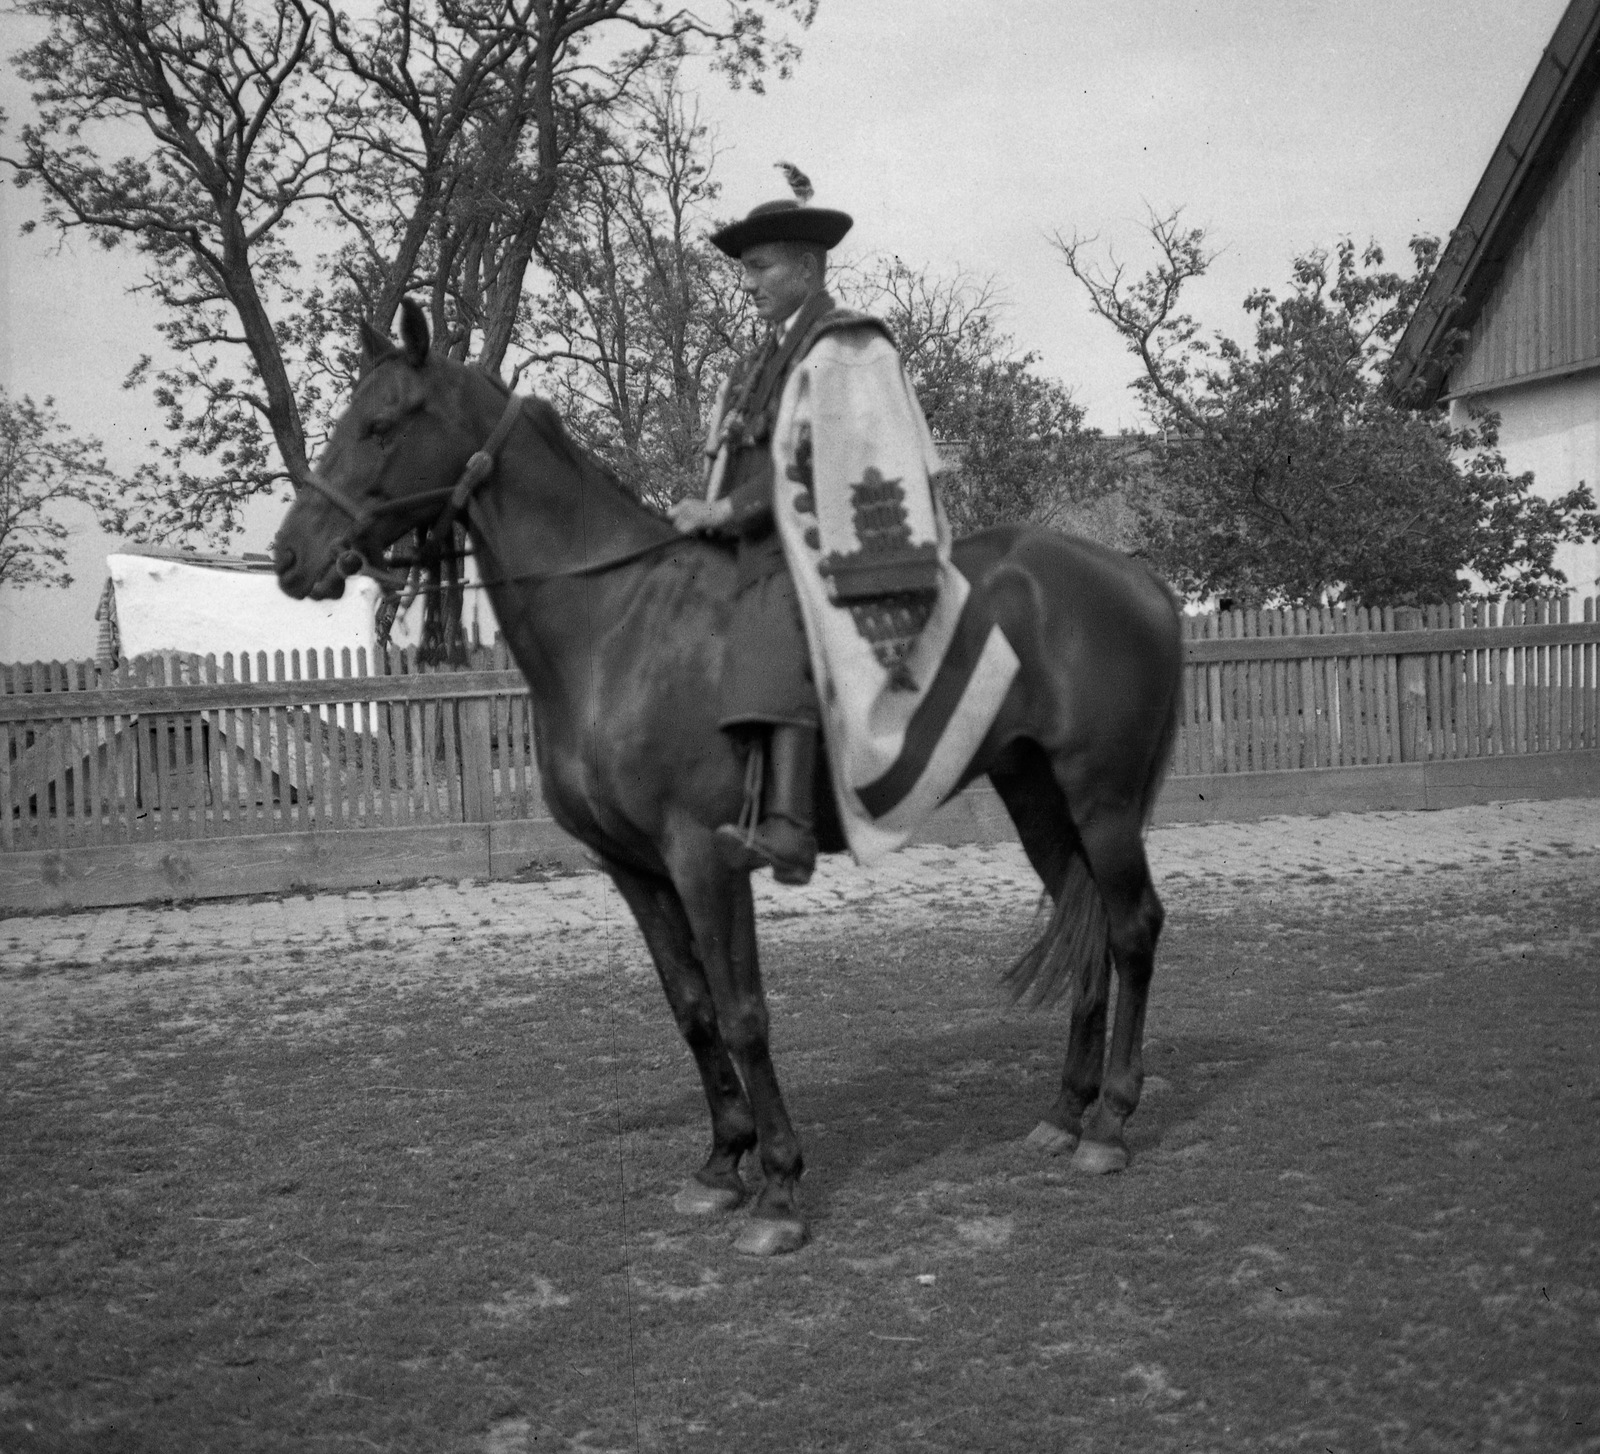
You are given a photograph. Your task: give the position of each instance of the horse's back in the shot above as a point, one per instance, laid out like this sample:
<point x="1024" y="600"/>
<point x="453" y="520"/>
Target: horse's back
<point x="1098" y="640"/>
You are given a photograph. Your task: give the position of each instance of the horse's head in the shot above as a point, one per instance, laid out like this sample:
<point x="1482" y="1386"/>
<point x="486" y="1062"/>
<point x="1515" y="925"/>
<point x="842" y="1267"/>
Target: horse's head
<point x="405" y="437"/>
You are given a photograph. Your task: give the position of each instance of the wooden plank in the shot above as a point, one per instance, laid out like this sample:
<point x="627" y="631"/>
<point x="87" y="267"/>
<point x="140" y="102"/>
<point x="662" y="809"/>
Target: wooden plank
<point x="1247" y="796"/>
<point x="408" y="770"/>
<point x="93" y="829"/>
<point x="1233" y="744"/>
<point x="518" y="844"/>
<point x="1504" y="707"/>
<point x="186" y="747"/>
<point x="477" y="765"/>
<point x="211" y="745"/>
<point x="10" y="747"/>
<point x="1513" y="777"/>
<point x="289" y="795"/>
<point x="1591" y="687"/>
<point x="1519" y="681"/>
<point x="1283" y="680"/>
<point x="1310" y="720"/>
<point x="1443" y="722"/>
<point x="387" y="795"/>
<point x="338" y="769"/>
<point x="1389" y="694"/>
<point x="449" y="727"/>
<point x="255" y="767"/>
<point x="296" y="692"/>
<point x="1345" y="666"/>
<point x="1211" y="721"/>
<point x="307" y="745"/>
<point x="125" y="781"/>
<point x="147" y="782"/>
<point x="1563" y="658"/>
<point x="358" y="715"/>
<point x="257" y="863"/>
<point x="1399" y="643"/>
<point x="227" y="796"/>
<point x="427" y="744"/>
<point x="52" y="808"/>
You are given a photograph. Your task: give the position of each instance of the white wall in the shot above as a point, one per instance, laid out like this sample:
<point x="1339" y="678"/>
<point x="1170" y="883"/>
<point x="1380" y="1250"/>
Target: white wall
<point x="169" y="605"/>
<point x="1552" y="428"/>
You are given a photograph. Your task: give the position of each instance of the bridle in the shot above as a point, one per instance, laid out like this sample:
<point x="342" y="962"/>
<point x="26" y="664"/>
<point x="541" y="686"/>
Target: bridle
<point x="478" y="468"/>
<point x="454" y="501"/>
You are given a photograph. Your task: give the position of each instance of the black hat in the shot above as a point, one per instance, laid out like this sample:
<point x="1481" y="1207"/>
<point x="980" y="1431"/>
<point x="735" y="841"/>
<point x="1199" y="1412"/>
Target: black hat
<point x="783" y="221"/>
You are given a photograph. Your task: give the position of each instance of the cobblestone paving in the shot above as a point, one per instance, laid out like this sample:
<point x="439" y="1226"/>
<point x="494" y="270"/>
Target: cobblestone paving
<point x="571" y="918"/>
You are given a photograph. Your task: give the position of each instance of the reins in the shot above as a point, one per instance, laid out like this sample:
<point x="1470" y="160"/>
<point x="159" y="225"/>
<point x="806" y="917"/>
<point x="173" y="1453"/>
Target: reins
<point x="479" y="466"/>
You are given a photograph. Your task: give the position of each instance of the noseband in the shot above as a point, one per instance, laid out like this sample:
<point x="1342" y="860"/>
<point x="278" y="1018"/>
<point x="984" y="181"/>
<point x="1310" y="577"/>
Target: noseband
<point x="477" y="469"/>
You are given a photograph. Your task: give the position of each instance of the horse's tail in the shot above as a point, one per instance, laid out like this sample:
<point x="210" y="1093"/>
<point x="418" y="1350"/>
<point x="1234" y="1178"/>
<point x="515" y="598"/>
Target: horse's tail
<point x="1071" y="959"/>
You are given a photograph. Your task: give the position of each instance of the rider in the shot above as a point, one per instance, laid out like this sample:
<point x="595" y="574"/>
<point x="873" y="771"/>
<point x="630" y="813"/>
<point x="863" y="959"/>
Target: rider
<point x="767" y="691"/>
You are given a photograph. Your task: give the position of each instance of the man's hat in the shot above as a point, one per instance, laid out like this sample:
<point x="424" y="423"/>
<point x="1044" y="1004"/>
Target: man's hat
<point x="788" y="220"/>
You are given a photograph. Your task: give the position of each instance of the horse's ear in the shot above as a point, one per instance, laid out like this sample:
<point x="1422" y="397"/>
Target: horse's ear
<point x="414" y="333"/>
<point x="374" y="347"/>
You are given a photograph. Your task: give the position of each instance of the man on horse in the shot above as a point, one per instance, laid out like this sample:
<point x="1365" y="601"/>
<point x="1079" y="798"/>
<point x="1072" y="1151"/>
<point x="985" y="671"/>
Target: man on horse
<point x="767" y="692"/>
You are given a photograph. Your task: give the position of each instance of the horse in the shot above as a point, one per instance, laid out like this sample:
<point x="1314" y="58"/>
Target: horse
<point x="618" y="622"/>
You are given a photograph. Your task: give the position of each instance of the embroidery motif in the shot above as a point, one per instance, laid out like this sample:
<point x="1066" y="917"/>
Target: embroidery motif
<point x="873" y="581"/>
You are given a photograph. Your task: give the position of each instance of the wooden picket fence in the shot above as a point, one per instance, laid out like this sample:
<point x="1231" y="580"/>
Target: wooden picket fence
<point x="1271" y="691"/>
<point x="189" y="748"/>
<point x="313" y="767"/>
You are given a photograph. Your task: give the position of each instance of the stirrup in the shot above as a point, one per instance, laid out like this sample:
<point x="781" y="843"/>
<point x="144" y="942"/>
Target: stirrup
<point x="737" y="841"/>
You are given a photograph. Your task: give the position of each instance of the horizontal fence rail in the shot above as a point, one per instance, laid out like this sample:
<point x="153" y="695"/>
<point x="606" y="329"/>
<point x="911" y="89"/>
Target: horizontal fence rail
<point x="188" y="748"/>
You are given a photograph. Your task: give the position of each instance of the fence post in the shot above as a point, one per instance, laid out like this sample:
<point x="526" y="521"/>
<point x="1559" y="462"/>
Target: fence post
<point x="477" y="770"/>
<point x="1411" y="674"/>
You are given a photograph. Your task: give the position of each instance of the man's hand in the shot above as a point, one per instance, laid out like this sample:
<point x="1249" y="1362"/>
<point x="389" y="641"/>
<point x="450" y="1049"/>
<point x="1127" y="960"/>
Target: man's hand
<point x="692" y="516"/>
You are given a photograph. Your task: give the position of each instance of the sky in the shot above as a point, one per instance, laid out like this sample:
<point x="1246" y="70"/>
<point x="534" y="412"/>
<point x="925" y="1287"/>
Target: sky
<point x="961" y="135"/>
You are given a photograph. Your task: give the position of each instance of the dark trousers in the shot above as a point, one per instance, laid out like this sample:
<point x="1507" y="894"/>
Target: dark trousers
<point x="766" y="671"/>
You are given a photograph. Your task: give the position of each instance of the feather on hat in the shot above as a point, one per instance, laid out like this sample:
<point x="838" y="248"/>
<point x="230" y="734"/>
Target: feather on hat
<point x="786" y="220"/>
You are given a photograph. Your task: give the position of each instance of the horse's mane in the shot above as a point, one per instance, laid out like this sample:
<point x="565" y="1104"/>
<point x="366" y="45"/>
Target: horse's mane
<point x="591" y="469"/>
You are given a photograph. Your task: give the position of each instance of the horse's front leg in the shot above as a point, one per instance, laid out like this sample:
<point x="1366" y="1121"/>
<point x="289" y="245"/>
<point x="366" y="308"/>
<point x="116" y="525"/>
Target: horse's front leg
<point x="716" y="1187"/>
<point x="722" y="913"/>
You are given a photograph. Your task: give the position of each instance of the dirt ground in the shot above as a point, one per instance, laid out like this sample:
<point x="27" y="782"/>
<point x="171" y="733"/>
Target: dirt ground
<point x="395" y="1170"/>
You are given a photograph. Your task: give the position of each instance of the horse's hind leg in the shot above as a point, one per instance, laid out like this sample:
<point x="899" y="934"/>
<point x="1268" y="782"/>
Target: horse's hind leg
<point x="1113" y="841"/>
<point x="717" y="1186"/>
<point x="1039" y="809"/>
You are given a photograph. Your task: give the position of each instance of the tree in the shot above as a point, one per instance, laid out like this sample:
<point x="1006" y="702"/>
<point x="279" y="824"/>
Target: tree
<point x="643" y="316"/>
<point x="424" y="144"/>
<point x="1285" y="473"/>
<point x="43" y="466"/>
<point x="1017" y="439"/>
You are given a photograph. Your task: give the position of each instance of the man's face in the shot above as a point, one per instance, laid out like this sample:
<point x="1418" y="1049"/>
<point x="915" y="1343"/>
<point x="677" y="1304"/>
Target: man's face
<point x="777" y="279"/>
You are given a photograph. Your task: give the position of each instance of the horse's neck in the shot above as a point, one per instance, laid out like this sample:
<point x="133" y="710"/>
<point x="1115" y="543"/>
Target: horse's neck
<point x="539" y="524"/>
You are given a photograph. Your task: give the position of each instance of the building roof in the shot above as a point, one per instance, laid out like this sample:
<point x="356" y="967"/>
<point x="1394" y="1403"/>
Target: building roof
<point x="1563" y="84"/>
<point x="251" y="560"/>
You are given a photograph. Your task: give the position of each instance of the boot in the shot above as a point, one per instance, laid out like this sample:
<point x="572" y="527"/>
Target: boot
<point x="783" y="839"/>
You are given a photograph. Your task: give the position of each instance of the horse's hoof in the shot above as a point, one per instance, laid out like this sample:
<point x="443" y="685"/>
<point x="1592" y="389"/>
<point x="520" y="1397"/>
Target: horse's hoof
<point x="771" y="1237"/>
<point x="1050" y="1140"/>
<point x="1097" y="1158"/>
<point x="696" y="1199"/>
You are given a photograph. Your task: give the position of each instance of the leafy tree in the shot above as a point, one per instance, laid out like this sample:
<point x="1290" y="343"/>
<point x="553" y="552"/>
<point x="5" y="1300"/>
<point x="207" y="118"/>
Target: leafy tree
<point x="1285" y="472"/>
<point x="421" y="146"/>
<point x="1017" y="439"/>
<point x="43" y="466"/>
<point x="643" y="317"/>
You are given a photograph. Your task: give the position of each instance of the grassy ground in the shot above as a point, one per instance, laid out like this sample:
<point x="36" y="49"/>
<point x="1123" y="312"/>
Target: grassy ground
<point x="405" y="1203"/>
